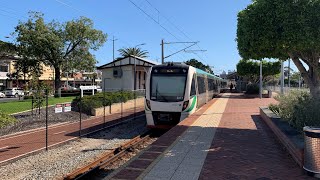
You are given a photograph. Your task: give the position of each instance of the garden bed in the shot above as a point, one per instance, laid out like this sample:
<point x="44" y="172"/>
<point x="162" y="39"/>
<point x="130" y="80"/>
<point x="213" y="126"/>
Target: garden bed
<point x="116" y="107"/>
<point x="26" y="121"/>
<point x="290" y="138"/>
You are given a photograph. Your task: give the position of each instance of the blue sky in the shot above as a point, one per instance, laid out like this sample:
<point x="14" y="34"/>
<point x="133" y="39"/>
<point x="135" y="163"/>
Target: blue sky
<point x="212" y="23"/>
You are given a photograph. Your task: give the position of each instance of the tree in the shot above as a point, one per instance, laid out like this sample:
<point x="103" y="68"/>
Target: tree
<point x="6" y="49"/>
<point x="283" y="29"/>
<point x="58" y="44"/>
<point x="197" y="64"/>
<point x="125" y="52"/>
<point x="251" y="69"/>
<point x="28" y="67"/>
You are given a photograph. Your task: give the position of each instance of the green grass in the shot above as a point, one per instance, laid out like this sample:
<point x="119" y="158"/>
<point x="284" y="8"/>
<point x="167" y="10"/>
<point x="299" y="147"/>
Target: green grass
<point x="18" y="106"/>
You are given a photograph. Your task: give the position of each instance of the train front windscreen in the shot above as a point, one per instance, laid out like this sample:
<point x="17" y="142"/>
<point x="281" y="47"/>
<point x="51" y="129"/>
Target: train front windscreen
<point x="168" y="85"/>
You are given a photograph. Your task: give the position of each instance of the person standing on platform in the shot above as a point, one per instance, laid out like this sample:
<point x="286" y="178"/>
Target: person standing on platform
<point x="231" y="87"/>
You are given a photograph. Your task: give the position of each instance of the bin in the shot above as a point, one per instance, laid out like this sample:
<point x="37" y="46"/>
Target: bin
<point x="269" y="93"/>
<point x="312" y="149"/>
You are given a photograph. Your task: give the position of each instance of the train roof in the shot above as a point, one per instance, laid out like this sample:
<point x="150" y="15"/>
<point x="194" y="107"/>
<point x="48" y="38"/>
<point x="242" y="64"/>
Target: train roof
<point x="183" y="65"/>
<point x="200" y="71"/>
<point x="171" y="64"/>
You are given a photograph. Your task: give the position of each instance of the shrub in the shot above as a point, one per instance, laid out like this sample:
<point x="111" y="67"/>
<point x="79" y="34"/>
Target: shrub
<point x="275" y="108"/>
<point x="298" y="108"/>
<point x="252" y="89"/>
<point x="98" y="100"/>
<point x="28" y="97"/>
<point x="6" y="119"/>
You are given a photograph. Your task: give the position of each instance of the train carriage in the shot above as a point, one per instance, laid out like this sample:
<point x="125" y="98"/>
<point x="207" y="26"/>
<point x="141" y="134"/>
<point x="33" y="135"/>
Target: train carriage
<point x="176" y="90"/>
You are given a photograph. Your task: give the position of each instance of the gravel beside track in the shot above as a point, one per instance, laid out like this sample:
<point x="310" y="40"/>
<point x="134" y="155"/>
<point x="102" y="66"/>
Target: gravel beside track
<point x="58" y="162"/>
<point x="106" y="173"/>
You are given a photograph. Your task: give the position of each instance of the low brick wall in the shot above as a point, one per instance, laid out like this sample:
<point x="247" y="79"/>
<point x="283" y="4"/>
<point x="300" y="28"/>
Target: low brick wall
<point x="295" y="151"/>
<point x="116" y="108"/>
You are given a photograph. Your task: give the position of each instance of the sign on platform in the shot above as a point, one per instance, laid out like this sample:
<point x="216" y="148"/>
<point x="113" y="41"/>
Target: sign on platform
<point x="58" y="108"/>
<point x="88" y="87"/>
<point x="67" y="107"/>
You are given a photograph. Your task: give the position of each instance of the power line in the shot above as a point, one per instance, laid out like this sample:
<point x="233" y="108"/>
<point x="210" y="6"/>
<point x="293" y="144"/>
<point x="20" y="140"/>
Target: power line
<point x="175" y="26"/>
<point x="111" y="34"/>
<point x="11" y="14"/>
<point x="81" y="11"/>
<point x="154" y="20"/>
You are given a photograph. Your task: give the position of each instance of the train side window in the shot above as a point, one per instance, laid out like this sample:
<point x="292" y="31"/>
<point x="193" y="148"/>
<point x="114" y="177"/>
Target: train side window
<point x="193" y="87"/>
<point x="201" y="84"/>
<point x="211" y="84"/>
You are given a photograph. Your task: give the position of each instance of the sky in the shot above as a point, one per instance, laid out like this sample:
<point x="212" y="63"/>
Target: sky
<point x="132" y="22"/>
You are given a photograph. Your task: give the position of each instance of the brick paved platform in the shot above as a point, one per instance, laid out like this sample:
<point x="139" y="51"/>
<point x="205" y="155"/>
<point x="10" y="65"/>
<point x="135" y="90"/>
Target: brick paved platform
<point x="225" y="139"/>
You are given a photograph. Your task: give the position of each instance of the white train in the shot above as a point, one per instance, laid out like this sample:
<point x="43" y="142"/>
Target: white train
<point x="176" y="90"/>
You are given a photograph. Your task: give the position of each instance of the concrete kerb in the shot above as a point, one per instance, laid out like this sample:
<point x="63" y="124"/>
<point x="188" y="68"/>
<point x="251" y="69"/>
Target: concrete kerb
<point x="296" y="152"/>
<point x="34" y="108"/>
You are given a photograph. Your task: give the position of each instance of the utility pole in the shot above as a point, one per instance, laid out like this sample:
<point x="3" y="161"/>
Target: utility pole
<point x="113" y="40"/>
<point x="162" y="52"/>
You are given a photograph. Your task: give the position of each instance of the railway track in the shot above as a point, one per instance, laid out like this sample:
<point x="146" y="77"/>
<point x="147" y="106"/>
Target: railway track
<point x="110" y="157"/>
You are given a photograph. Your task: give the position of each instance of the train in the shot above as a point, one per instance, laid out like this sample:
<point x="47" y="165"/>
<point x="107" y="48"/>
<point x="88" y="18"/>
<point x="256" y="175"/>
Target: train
<point x="176" y="90"/>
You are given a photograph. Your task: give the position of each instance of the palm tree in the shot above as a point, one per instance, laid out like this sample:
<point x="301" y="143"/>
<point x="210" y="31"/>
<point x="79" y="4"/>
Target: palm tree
<point x="125" y="52"/>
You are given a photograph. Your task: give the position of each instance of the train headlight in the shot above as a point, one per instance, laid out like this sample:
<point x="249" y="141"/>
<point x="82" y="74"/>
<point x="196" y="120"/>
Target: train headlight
<point x="185" y="105"/>
<point x="148" y="104"/>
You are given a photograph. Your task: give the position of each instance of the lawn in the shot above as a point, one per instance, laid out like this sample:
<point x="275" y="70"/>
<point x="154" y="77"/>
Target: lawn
<point x="18" y="106"/>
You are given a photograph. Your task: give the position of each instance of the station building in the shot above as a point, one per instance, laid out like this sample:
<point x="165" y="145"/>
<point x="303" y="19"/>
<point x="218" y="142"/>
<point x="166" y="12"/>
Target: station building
<point x="120" y="73"/>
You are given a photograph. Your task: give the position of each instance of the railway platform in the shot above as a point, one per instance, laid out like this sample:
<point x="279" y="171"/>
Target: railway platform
<point x="225" y="139"/>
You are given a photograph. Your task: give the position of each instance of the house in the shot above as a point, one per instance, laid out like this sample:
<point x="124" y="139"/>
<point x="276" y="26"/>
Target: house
<point x="76" y="79"/>
<point x="127" y="73"/>
<point x="6" y="67"/>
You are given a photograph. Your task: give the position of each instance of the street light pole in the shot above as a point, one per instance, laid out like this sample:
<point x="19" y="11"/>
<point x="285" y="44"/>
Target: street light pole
<point x="289" y="74"/>
<point x="113" y="40"/>
<point x="162" y="52"/>
<point x="282" y="78"/>
<point x="261" y="79"/>
<point x="67" y="75"/>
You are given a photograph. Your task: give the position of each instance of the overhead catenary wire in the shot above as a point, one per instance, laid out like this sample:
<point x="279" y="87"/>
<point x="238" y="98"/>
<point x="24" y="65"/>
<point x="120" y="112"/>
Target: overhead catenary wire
<point x="154" y="20"/>
<point x="101" y="20"/>
<point x="176" y="27"/>
<point x="13" y="14"/>
<point x="81" y="11"/>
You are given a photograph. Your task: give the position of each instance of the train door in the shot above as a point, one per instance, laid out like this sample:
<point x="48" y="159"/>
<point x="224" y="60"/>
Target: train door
<point x="201" y="90"/>
<point x="207" y="88"/>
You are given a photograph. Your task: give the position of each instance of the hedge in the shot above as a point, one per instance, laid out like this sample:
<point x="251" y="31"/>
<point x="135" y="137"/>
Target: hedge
<point x="298" y="108"/>
<point x="252" y="89"/>
<point x="100" y="99"/>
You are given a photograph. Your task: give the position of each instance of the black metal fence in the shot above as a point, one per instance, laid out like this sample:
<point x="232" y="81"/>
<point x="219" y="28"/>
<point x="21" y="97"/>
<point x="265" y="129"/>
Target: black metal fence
<point x="107" y="108"/>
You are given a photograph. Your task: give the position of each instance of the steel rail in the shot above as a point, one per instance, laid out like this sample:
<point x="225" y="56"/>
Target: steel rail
<point x="109" y="157"/>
